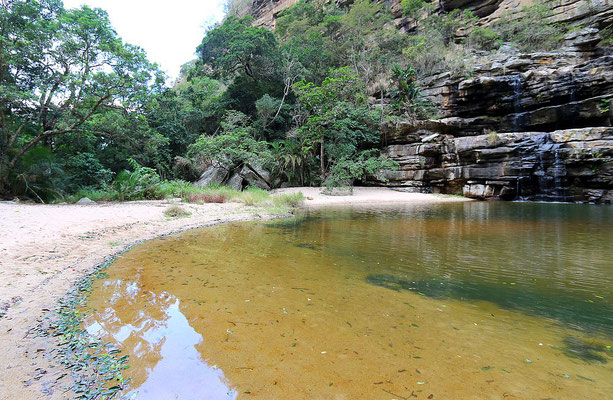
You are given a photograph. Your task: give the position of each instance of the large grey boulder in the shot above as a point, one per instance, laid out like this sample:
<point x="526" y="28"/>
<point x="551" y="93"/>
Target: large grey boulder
<point x="253" y="178"/>
<point x="236" y="182"/>
<point x="263" y="173"/>
<point x="212" y="175"/>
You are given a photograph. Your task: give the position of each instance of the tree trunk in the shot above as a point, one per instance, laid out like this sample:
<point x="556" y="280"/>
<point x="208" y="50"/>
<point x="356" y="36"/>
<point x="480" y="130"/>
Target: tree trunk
<point x="322" y="165"/>
<point x="4" y="177"/>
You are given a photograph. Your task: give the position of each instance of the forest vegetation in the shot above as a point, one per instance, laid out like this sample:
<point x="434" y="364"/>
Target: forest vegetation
<point x="84" y="113"/>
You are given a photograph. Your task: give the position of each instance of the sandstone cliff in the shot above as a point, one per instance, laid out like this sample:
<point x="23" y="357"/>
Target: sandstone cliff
<point x="523" y="126"/>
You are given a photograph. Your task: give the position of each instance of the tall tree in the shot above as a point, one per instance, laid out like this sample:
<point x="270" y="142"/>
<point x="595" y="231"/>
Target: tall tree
<point x="58" y="69"/>
<point x="236" y="47"/>
<point x="340" y="124"/>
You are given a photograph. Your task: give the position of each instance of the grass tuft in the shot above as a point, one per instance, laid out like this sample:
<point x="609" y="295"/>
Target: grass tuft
<point x="176" y="211"/>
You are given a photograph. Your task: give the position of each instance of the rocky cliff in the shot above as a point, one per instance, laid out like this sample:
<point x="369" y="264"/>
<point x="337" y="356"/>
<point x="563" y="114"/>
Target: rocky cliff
<point x="584" y="12"/>
<point x="524" y="125"/>
<point x="527" y="126"/>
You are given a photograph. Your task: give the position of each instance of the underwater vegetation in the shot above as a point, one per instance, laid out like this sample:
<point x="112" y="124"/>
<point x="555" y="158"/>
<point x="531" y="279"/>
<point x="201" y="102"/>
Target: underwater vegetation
<point x="581" y="314"/>
<point x="587" y="351"/>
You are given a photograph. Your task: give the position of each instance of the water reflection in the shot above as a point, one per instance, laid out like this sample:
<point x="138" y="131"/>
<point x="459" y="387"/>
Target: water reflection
<point x="158" y="335"/>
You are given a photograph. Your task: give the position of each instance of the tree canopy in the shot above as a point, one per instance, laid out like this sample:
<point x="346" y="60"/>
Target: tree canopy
<point x="61" y="73"/>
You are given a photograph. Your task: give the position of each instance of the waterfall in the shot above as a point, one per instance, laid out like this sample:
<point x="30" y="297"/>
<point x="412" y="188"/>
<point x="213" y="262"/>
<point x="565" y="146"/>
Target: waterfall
<point x="516" y="83"/>
<point x="559" y="173"/>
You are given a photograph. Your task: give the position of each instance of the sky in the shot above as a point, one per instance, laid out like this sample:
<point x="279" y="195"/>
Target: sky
<point x="169" y="31"/>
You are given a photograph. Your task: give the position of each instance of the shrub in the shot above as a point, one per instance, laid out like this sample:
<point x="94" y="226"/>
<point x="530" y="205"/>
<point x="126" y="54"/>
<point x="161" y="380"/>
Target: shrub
<point x="483" y="38"/>
<point x="532" y="29"/>
<point x="141" y="184"/>
<point x="175" y="211"/>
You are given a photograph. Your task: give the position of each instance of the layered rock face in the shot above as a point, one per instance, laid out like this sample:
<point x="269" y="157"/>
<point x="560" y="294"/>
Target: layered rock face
<point x="527" y="126"/>
<point x="563" y="165"/>
<point x="513" y="91"/>
<point x="583" y="12"/>
<point x="265" y="11"/>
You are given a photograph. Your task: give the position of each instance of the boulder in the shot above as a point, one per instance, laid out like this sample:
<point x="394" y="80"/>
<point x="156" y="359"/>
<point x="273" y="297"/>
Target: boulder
<point x="236" y="182"/>
<point x="253" y="178"/>
<point x="85" y="201"/>
<point x="213" y="175"/>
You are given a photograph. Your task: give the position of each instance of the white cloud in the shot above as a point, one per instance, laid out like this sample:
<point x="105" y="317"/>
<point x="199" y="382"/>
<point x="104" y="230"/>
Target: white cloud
<point x="168" y="31"/>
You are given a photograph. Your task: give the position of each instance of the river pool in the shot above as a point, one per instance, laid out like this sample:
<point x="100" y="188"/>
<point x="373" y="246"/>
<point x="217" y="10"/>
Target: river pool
<point x="453" y="301"/>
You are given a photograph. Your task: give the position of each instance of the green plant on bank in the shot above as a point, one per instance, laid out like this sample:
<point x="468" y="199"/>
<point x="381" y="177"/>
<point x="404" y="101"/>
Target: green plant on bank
<point x="605" y="106"/>
<point x="141" y="184"/>
<point x="250" y="196"/>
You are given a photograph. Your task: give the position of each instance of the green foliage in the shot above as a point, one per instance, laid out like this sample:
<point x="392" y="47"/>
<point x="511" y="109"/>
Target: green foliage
<point x="484" y="38"/>
<point x="233" y="145"/>
<point x="323" y="36"/>
<point x="413" y="8"/>
<point x="288" y="200"/>
<point x="59" y="70"/>
<point x="532" y="29"/>
<point x="41" y="175"/>
<point x="237" y="47"/>
<point x="84" y="170"/>
<point x="339" y="123"/>
<point x="405" y="95"/>
<point x="360" y="165"/>
<point x="141" y="184"/>
<point x="434" y="49"/>
<point x="250" y="197"/>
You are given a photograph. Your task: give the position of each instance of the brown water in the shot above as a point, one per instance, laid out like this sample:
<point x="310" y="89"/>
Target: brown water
<point x="462" y="301"/>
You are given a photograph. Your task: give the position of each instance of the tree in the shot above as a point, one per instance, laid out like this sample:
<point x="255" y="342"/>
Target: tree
<point x="58" y="69"/>
<point x="236" y="47"/>
<point x="341" y="124"/>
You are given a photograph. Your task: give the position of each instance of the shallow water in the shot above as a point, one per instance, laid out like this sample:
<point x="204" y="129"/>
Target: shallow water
<point x="458" y="301"/>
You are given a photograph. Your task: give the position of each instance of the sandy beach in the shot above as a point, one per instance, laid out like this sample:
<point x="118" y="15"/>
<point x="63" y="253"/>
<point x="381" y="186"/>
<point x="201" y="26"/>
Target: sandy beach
<point x="44" y="249"/>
